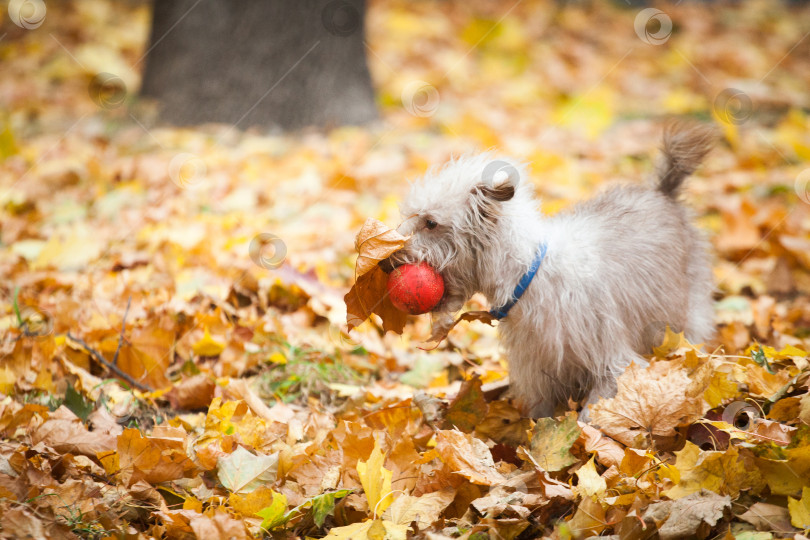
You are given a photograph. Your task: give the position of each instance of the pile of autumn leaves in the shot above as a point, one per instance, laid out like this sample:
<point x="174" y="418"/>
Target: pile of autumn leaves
<point x="696" y="444"/>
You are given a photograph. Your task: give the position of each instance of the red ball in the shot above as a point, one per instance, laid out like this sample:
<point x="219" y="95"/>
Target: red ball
<point x="415" y="288"/>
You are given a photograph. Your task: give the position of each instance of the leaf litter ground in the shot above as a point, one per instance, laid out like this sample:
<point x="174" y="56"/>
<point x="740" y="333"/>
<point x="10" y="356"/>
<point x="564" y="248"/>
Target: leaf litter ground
<point x="174" y="357"/>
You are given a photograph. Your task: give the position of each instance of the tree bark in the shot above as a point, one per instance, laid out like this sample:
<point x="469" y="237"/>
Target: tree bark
<point x="287" y="63"/>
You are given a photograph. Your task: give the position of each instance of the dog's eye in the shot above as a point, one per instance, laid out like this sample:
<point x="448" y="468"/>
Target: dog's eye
<point x="430" y="224"/>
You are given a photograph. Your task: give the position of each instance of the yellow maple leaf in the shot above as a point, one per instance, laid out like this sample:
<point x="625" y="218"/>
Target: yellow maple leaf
<point x="231" y="418"/>
<point x="372" y="530"/>
<point x="590" y="482"/>
<point x="672" y="342"/>
<point x="275" y="514"/>
<point x="800" y="510"/>
<point x="248" y="504"/>
<point x="589" y="519"/>
<point x="376" y="481"/>
<point x="720" y="389"/>
<point x="725" y="473"/>
<point x="208" y="346"/>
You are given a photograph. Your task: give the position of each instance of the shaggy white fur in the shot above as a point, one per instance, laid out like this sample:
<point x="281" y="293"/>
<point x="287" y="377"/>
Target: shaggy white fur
<point x="619" y="268"/>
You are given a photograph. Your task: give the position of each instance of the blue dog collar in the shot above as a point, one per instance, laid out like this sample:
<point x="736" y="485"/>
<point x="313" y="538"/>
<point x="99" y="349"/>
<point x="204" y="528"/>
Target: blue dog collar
<point x="523" y="284"/>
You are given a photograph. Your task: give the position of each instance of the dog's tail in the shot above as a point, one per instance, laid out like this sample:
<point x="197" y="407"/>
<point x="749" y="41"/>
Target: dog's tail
<point x="685" y="146"/>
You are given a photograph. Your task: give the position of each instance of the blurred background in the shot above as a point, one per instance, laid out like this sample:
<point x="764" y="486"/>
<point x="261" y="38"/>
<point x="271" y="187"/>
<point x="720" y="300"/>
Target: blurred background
<point x="211" y="162"/>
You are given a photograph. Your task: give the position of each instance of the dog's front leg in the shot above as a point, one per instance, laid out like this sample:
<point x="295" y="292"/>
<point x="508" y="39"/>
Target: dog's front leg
<point x="445" y="315"/>
<point x="603" y="388"/>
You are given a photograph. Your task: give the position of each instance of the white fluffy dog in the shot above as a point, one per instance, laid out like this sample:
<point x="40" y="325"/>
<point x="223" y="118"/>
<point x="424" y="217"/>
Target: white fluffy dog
<point x="587" y="291"/>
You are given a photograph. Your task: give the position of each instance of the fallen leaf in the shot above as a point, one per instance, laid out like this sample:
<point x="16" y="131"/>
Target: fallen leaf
<point x="552" y="440"/>
<point x="218" y="525"/>
<point x="64" y="432"/>
<point x="774" y="432"/>
<point x="588" y="520"/>
<point x="504" y="424"/>
<point x="800" y="510"/>
<point x="243" y="472"/>
<point x="467" y="408"/>
<point x="590" y="483"/>
<point x="424" y="509"/>
<point x="208" y="346"/>
<point x="649" y="402"/>
<point x="274" y="515"/>
<point x="376" y="481"/>
<point x="195" y="392"/>
<point x="768" y="517"/>
<point x="725" y="473"/>
<point x="146" y="354"/>
<point x="693" y="516"/>
<point x="324" y="504"/>
<point x="370" y="530"/>
<point x="467" y="456"/>
<point x="248" y="504"/>
<point x="608" y="452"/>
<point x="152" y="459"/>
<point x="374" y="243"/>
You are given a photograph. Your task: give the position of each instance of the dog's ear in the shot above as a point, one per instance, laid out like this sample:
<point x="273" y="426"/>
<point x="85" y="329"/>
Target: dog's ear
<point x="499" y="193"/>
<point x="499" y="181"/>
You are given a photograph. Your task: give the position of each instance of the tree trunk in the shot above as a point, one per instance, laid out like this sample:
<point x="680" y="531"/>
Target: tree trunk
<point x="287" y="63"/>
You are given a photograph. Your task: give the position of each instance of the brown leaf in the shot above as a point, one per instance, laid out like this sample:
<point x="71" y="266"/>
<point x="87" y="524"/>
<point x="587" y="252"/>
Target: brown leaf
<point x="693" y="516"/>
<point x="424" y="509"/>
<point x="774" y="432"/>
<point x="467" y="456"/>
<point x="65" y="432"/>
<point x="589" y="519"/>
<point x="652" y="401"/>
<point x="727" y="472"/>
<point x="608" y="452"/>
<point x="375" y="242"/>
<point x="483" y="316"/>
<point x="19" y="522"/>
<point x="768" y="517"/>
<point x="432" y="408"/>
<point x="739" y="232"/>
<point x="153" y="459"/>
<point x="467" y="408"/>
<point x="194" y="392"/>
<point x="146" y="354"/>
<point x="237" y="389"/>
<point x="370" y="295"/>
<point x="500" y="502"/>
<point x="504" y="424"/>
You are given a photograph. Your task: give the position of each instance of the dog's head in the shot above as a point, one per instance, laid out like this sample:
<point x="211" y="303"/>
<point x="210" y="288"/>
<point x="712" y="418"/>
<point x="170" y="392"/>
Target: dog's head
<point x="453" y="215"/>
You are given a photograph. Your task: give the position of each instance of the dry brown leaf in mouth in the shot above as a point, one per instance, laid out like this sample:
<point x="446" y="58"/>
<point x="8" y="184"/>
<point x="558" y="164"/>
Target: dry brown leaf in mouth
<point x="374" y="243"/>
